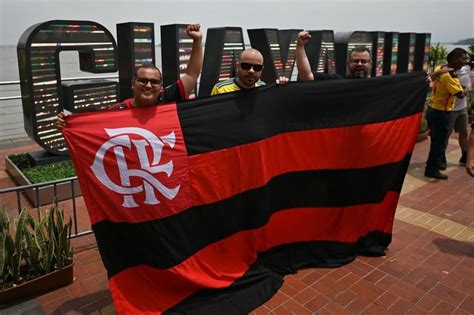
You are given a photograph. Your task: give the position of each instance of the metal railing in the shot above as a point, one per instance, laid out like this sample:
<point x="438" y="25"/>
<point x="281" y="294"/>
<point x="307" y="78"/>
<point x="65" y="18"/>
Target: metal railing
<point x="36" y="187"/>
<point x="18" y="97"/>
<point x="18" y="190"/>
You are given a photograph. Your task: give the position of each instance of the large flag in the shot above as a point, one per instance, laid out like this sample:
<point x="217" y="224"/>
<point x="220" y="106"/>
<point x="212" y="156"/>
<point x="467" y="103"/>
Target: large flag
<point x="203" y="207"/>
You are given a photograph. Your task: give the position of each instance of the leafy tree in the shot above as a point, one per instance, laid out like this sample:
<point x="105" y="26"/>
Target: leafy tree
<point x="471" y="51"/>
<point x="438" y="54"/>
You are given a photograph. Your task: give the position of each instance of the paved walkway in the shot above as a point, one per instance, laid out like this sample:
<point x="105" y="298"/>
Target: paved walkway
<point x="429" y="267"/>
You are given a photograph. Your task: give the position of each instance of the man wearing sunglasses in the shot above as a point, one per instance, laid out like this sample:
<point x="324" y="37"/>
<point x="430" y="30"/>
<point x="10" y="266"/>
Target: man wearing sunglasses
<point x="359" y="63"/>
<point x="147" y="81"/>
<point x="249" y="71"/>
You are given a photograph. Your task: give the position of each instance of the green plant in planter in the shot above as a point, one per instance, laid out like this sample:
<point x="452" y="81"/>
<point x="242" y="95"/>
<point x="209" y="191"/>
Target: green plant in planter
<point x="33" y="248"/>
<point x="16" y="250"/>
<point x="53" y="239"/>
<point x="42" y="173"/>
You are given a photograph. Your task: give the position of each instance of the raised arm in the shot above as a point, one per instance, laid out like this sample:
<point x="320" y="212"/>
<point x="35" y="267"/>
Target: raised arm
<point x="302" y="62"/>
<point x="189" y="78"/>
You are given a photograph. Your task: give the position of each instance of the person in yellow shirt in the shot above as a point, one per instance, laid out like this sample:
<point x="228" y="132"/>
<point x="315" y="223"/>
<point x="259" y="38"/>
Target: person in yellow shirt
<point x="446" y="87"/>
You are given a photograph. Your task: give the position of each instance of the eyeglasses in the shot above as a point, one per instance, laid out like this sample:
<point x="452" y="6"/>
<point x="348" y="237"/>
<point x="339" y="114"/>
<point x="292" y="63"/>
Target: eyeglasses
<point x="144" y="81"/>
<point x="362" y="61"/>
<point x="247" y="66"/>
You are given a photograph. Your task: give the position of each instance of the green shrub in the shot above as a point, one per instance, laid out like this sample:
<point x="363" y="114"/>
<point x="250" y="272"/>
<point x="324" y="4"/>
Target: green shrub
<point x="30" y="248"/>
<point x="42" y="173"/>
<point x="45" y="173"/>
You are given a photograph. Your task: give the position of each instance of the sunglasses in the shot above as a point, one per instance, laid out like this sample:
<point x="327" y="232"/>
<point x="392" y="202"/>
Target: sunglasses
<point x="144" y="81"/>
<point x="247" y="66"/>
<point x="362" y="61"/>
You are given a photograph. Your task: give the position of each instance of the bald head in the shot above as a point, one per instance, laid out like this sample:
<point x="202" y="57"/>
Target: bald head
<point x="249" y="68"/>
<point x="251" y="53"/>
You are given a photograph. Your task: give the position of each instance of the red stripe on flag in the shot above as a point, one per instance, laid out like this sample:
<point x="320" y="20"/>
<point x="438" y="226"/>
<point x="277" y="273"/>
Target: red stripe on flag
<point x="144" y="289"/>
<point x="220" y="174"/>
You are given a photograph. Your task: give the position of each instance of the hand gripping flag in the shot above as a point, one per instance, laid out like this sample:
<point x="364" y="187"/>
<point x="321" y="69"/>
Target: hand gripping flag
<point x="202" y="207"/>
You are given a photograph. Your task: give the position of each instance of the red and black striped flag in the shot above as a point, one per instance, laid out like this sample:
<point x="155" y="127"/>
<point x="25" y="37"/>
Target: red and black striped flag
<point x="203" y="206"/>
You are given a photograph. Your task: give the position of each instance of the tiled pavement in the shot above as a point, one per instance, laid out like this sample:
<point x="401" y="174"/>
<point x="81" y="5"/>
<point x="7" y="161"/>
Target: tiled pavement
<point x="428" y="269"/>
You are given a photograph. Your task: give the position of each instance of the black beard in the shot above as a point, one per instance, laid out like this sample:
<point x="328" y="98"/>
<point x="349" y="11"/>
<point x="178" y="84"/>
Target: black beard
<point x="354" y="76"/>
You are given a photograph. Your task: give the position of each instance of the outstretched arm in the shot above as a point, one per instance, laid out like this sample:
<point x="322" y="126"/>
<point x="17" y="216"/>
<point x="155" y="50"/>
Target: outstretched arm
<point x="302" y="62"/>
<point x="61" y="121"/>
<point x="189" y="78"/>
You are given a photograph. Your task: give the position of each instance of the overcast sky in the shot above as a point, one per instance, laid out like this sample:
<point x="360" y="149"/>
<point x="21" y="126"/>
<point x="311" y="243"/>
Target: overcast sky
<point x="447" y="20"/>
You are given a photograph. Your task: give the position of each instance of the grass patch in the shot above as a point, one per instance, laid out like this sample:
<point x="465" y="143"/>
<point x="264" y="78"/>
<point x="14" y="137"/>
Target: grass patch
<point x="42" y="173"/>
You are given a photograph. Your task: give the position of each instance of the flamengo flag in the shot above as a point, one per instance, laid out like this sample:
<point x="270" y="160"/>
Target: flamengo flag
<point x="203" y="207"/>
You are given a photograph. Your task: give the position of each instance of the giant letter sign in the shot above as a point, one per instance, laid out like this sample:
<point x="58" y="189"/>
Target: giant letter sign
<point x="44" y="95"/>
<point x="320" y="50"/>
<point x="40" y="74"/>
<point x="345" y="42"/>
<point x="377" y="53"/>
<point x="422" y="51"/>
<point x="288" y="50"/>
<point x="278" y="49"/>
<point x="136" y="46"/>
<point x="406" y="52"/>
<point x="223" y="46"/>
<point x="390" y="57"/>
<point x="176" y="48"/>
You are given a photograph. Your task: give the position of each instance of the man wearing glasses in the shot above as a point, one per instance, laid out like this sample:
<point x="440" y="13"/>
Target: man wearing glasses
<point x="147" y="81"/>
<point x="249" y="71"/>
<point x="359" y="63"/>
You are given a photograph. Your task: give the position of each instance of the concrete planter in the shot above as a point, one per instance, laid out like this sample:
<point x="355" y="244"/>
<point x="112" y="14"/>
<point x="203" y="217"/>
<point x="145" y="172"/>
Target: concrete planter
<point x="50" y="281"/>
<point x="42" y="195"/>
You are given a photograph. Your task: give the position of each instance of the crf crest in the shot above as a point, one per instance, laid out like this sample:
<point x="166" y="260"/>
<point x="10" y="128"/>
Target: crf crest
<point x="120" y="139"/>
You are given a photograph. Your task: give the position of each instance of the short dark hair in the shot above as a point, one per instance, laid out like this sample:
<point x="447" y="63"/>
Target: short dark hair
<point x="145" y="66"/>
<point x="455" y="53"/>
<point x="360" y="49"/>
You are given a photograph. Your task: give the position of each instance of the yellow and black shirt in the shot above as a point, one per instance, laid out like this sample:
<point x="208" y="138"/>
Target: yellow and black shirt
<point x="230" y="85"/>
<point x="444" y="89"/>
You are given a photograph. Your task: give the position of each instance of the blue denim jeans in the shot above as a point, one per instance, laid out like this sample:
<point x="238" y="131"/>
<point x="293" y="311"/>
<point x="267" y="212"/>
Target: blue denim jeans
<point x="438" y="121"/>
